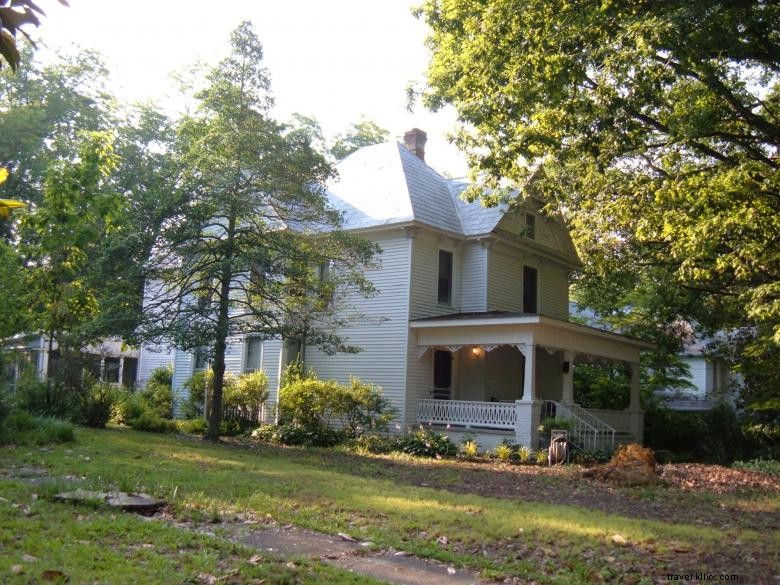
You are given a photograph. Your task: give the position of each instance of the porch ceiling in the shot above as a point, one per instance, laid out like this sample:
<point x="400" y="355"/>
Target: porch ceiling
<point x="519" y="329"/>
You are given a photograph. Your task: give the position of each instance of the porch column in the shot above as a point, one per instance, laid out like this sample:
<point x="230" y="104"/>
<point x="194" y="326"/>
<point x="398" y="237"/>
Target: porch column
<point x="529" y="409"/>
<point x="634" y="409"/>
<point x="529" y="371"/>
<point x="567" y="394"/>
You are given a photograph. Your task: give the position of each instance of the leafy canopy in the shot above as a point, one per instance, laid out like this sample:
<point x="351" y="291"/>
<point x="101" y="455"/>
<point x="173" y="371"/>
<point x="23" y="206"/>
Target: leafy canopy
<point x="658" y="125"/>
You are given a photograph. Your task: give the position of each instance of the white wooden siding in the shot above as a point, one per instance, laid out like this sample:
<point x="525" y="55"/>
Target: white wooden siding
<point x="505" y="280"/>
<point x="474" y="278"/>
<point x="503" y="374"/>
<point x="423" y="300"/>
<point x="272" y="350"/>
<point x="182" y="370"/>
<point x="382" y="336"/>
<point x="151" y="357"/>
<point x="553" y="290"/>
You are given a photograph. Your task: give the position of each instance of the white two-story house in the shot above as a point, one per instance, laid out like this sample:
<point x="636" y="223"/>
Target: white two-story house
<point x="469" y="327"/>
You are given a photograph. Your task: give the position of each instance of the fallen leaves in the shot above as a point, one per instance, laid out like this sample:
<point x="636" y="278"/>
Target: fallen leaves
<point x="717" y="479"/>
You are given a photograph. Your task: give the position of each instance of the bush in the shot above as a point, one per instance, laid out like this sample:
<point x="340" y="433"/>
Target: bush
<point x="248" y="394"/>
<point x="97" y="404"/>
<point x="293" y="434"/>
<point x="308" y="403"/>
<point x="470" y="449"/>
<point x="376" y="444"/>
<point x="131" y="407"/>
<point x="427" y="443"/>
<point x="555" y="423"/>
<point x="524" y="454"/>
<point x="23" y="428"/>
<point x="193" y="426"/>
<point x="504" y="452"/>
<point x="589" y="457"/>
<point x="312" y="403"/>
<point x="152" y="422"/>
<point x="540" y="457"/>
<point x="158" y="392"/>
<point x="45" y="398"/>
<point x="363" y="408"/>
<point x="770" y="466"/>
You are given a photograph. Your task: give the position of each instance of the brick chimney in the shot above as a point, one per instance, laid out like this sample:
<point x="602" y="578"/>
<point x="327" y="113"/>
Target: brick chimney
<point x="415" y="140"/>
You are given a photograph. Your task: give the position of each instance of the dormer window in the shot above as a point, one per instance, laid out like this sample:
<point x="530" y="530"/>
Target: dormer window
<point x="530" y="226"/>
<point x="445" y="277"/>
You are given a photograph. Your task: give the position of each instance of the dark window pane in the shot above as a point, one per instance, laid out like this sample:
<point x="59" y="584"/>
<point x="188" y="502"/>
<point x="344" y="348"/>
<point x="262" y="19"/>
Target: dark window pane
<point x="129" y="371"/>
<point x="253" y="353"/>
<point x="530" y="287"/>
<point x="530" y="225"/>
<point x="445" y="276"/>
<point x="111" y="370"/>
<point x="442" y="369"/>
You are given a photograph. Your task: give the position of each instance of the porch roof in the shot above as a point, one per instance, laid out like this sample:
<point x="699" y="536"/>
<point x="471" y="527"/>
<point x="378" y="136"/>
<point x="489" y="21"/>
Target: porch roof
<point x="520" y="329"/>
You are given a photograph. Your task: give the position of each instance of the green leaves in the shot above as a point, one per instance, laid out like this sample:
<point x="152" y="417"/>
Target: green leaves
<point x="658" y="125"/>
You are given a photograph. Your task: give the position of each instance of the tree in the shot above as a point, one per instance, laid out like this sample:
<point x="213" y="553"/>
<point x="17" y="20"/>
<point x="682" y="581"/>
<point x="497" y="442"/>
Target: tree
<point x="62" y="235"/>
<point x="256" y="248"/>
<point x="658" y="125"/>
<point x="43" y="112"/>
<point x="15" y="14"/>
<point x="358" y="135"/>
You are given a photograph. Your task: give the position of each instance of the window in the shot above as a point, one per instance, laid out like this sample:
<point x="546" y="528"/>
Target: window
<point x="530" y="287"/>
<point x="324" y="284"/>
<point x="201" y="359"/>
<point x="254" y="354"/>
<point x="442" y="374"/>
<point x="129" y="371"/>
<point x="530" y="225"/>
<point x="111" y="370"/>
<point x="445" y="277"/>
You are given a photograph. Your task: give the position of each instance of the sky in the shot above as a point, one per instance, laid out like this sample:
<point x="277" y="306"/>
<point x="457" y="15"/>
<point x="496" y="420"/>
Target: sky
<point x="336" y="61"/>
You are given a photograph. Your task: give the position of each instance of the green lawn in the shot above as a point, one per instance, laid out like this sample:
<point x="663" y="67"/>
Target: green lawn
<point x="330" y="493"/>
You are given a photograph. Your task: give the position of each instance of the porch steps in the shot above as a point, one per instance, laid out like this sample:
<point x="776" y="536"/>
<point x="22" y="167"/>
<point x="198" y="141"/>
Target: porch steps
<point x="590" y="433"/>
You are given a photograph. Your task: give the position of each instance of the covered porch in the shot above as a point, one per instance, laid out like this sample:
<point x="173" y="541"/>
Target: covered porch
<point x="497" y="375"/>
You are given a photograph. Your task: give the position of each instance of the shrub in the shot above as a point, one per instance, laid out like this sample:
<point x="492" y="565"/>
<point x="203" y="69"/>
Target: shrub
<point x="131" y="407"/>
<point x="295" y="371"/>
<point x="97" y="404"/>
<point x="196" y="386"/>
<point x="470" y="449"/>
<point x="376" y="444"/>
<point x="294" y="434"/>
<point x="524" y="454"/>
<point x="152" y="422"/>
<point x="363" y="408"/>
<point x="427" y="443"/>
<point x="504" y="452"/>
<point x="193" y="426"/>
<point x="158" y="392"/>
<point x="555" y="423"/>
<point x="247" y="393"/>
<point x="770" y="466"/>
<point x="308" y="403"/>
<point x="23" y="428"/>
<point x="312" y="403"/>
<point x="45" y="397"/>
<point x="589" y="457"/>
<point x="540" y="457"/>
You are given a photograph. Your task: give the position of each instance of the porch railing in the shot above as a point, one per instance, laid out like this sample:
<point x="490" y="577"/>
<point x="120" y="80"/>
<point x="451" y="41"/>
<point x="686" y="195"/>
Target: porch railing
<point x="490" y="415"/>
<point x="590" y="433"/>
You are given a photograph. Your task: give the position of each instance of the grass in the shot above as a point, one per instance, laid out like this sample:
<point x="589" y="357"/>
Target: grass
<point x="501" y="537"/>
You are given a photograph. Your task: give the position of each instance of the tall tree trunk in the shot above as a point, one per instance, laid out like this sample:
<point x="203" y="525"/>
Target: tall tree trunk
<point x="222" y="330"/>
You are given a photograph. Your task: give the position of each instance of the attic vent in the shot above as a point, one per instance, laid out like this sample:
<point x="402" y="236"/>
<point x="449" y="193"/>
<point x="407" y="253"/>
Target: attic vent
<point x="530" y="225"/>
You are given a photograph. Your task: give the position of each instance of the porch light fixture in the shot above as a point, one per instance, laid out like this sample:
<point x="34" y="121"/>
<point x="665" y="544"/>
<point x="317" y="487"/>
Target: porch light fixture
<point x="475" y="350"/>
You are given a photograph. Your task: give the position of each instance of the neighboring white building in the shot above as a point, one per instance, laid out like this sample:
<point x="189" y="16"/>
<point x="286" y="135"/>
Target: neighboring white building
<point x="712" y="379"/>
<point x="108" y="361"/>
<point x="469" y="329"/>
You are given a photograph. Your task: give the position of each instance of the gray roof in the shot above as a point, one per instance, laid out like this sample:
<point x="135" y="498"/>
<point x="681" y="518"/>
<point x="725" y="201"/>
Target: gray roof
<point x="387" y="184"/>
